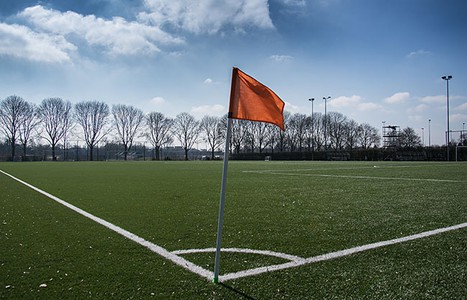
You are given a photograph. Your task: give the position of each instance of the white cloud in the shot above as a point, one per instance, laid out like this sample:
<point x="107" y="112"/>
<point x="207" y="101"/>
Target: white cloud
<point x="354" y="101"/>
<point x="398" y="98"/>
<point x="281" y="58"/>
<point x="117" y="36"/>
<point x="292" y="108"/>
<point x="434" y="99"/>
<point x="344" y="101"/>
<point x="367" y="106"/>
<point x="208" y="16"/>
<point x="209" y="81"/>
<point x="462" y="106"/>
<point x="157" y="101"/>
<point x="209" y="110"/>
<point x="459" y="118"/>
<point x="21" y="42"/>
<point x="421" y="107"/>
<point x="418" y="53"/>
<point x="416" y="118"/>
<point x="299" y="3"/>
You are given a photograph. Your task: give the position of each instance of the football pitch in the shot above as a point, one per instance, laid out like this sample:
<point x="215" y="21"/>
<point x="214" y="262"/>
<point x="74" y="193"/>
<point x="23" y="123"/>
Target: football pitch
<point x="292" y="230"/>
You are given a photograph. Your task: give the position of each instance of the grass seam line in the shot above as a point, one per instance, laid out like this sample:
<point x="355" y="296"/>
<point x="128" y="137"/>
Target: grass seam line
<point x="131" y="236"/>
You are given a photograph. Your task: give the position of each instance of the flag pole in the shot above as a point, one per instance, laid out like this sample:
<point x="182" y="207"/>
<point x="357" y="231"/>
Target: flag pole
<point x="222" y="201"/>
<point x="224" y="177"/>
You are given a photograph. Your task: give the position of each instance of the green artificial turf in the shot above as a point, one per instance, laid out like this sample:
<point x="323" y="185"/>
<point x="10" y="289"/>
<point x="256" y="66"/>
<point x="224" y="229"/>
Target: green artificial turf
<point x="299" y="208"/>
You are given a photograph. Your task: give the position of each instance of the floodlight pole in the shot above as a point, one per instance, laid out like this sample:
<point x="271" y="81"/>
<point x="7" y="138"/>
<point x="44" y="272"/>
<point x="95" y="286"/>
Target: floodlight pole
<point x="312" y="129"/>
<point x="382" y="134"/>
<point x="429" y="132"/>
<point x="423" y="137"/>
<point x="447" y="78"/>
<point x="462" y="135"/>
<point x="326" y="124"/>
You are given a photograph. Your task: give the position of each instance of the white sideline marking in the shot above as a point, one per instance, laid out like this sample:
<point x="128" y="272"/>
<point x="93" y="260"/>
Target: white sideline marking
<point x="296" y="261"/>
<point x="337" y="254"/>
<point x="153" y="247"/>
<point x="355" y="176"/>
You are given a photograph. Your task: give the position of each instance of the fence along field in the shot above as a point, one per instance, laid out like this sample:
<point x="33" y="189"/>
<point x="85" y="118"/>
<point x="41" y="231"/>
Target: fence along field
<point x="302" y="209"/>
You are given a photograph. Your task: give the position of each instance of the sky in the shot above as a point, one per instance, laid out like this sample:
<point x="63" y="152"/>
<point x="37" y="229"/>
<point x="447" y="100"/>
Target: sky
<point x="379" y="60"/>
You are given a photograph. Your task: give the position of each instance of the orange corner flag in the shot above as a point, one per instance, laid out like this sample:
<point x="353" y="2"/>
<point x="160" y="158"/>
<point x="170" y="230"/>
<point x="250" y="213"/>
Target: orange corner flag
<point x="251" y="100"/>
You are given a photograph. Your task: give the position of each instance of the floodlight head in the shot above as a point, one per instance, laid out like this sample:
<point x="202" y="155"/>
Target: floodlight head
<point x="326" y="98"/>
<point x="447" y="77"/>
<point x="311" y="99"/>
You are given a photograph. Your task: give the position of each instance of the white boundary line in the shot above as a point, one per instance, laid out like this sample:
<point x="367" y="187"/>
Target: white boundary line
<point x="296" y="261"/>
<point x="153" y="247"/>
<point x="337" y="254"/>
<point x="354" y="176"/>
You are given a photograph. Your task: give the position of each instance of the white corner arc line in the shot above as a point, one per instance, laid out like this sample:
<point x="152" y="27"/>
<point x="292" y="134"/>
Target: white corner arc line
<point x="244" y="250"/>
<point x="153" y="247"/>
<point x="337" y="254"/>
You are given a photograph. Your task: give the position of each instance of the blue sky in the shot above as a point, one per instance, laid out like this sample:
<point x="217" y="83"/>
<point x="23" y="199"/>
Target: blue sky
<point x="379" y="60"/>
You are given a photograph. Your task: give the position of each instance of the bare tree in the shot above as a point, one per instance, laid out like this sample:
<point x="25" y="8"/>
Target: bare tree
<point x="213" y="132"/>
<point x="336" y="130"/>
<point x="55" y="115"/>
<point x="187" y="130"/>
<point x="368" y="136"/>
<point x="297" y="131"/>
<point x="13" y="111"/>
<point x="262" y="134"/>
<point x="29" y="122"/>
<point x="158" y="131"/>
<point x="282" y="135"/>
<point x="463" y="139"/>
<point x="250" y="135"/>
<point x="318" y="131"/>
<point x="273" y="136"/>
<point x="127" y="119"/>
<point x="92" y="116"/>
<point x="409" y="138"/>
<point x="352" y="132"/>
<point x="237" y="135"/>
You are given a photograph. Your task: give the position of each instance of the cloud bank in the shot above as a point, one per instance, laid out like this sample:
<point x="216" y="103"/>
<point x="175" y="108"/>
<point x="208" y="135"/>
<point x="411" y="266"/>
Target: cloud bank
<point x="53" y="36"/>
<point x="207" y="16"/>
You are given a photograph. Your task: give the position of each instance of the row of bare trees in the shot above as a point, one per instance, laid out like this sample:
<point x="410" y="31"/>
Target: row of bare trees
<point x="305" y="133"/>
<point x="54" y="120"/>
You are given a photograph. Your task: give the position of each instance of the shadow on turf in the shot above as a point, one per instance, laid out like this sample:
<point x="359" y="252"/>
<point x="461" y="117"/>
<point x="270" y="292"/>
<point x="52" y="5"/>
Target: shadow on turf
<point x="238" y="292"/>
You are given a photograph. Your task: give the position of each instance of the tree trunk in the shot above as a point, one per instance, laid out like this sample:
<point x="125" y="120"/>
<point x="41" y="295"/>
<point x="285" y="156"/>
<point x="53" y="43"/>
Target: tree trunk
<point x="13" y="150"/>
<point x="54" y="158"/>
<point x="158" y="153"/>
<point x="125" y="153"/>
